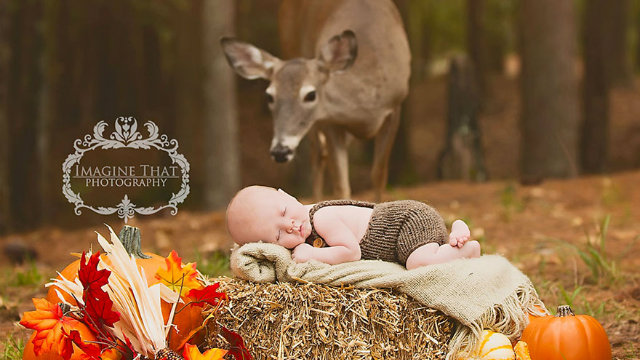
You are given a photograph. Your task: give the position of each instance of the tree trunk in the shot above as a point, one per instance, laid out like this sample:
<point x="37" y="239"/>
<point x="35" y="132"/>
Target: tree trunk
<point x="637" y="21"/>
<point x="476" y="44"/>
<point x="222" y="158"/>
<point x="5" y="209"/>
<point x="618" y="61"/>
<point x="189" y="87"/>
<point x="594" y="146"/>
<point x="549" y="122"/>
<point x="22" y="103"/>
<point x="49" y="70"/>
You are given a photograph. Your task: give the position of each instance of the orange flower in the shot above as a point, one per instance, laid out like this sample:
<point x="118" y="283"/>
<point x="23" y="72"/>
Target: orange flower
<point x="191" y="352"/>
<point x="51" y="325"/>
<point x="178" y="277"/>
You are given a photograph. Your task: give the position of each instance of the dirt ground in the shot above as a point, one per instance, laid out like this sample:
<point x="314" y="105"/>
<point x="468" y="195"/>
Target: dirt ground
<point x="542" y="229"/>
<point x="535" y="227"/>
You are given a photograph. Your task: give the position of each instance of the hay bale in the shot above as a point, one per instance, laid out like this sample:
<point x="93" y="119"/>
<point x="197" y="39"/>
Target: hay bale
<point x="309" y="321"/>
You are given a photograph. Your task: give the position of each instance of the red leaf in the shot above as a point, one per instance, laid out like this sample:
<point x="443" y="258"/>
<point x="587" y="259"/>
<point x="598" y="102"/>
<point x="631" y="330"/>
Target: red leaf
<point x="89" y="275"/>
<point x="208" y="295"/>
<point x="238" y="350"/>
<point x="91" y="351"/>
<point x="98" y="306"/>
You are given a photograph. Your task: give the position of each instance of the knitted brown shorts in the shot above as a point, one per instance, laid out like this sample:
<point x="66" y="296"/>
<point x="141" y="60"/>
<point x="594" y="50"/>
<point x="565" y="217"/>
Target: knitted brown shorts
<point x="397" y="228"/>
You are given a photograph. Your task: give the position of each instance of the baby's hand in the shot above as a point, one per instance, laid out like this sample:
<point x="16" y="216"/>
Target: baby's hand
<point x="302" y="253"/>
<point x="460" y="234"/>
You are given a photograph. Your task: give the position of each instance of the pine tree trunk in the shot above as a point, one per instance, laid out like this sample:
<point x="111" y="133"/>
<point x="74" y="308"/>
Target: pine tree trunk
<point x="476" y="44"/>
<point x="594" y="141"/>
<point x="5" y="209"/>
<point x="618" y="63"/>
<point x="47" y="110"/>
<point x="549" y="122"/>
<point x="189" y="65"/>
<point x="637" y="21"/>
<point x="22" y="103"/>
<point x="222" y="160"/>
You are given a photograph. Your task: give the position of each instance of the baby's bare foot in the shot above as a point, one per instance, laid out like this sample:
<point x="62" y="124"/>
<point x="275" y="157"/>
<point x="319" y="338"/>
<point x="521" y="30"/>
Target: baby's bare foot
<point x="460" y="234"/>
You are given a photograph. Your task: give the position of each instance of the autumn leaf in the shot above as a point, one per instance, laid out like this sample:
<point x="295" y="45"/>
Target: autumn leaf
<point x="177" y="277"/>
<point x="91" y="351"/>
<point x="49" y="323"/>
<point x="238" y="350"/>
<point x="98" y="307"/>
<point x="89" y="275"/>
<point x="208" y="295"/>
<point x="191" y="352"/>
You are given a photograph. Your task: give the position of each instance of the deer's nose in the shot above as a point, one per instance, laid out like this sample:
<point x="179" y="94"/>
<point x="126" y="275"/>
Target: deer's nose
<point x="281" y="153"/>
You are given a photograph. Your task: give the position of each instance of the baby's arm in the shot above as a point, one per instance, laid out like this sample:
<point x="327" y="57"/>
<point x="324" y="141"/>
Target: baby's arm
<point x="342" y="244"/>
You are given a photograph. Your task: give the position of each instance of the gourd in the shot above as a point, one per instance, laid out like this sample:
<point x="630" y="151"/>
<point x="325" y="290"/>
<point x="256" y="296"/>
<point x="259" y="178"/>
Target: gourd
<point x="567" y="336"/>
<point x="493" y="346"/>
<point x="522" y="351"/>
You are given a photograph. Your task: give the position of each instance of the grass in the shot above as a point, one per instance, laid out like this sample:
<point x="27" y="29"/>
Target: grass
<point x="216" y="264"/>
<point x="28" y="277"/>
<point x="510" y="201"/>
<point x="13" y="348"/>
<point x="595" y="257"/>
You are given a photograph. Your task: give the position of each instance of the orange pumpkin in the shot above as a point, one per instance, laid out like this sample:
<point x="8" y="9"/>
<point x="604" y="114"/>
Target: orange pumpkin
<point x="540" y="308"/>
<point x="85" y="334"/>
<point x="186" y="320"/>
<point x="567" y="336"/>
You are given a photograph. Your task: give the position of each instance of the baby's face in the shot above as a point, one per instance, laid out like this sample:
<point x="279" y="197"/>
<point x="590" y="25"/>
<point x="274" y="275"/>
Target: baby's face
<point x="268" y="215"/>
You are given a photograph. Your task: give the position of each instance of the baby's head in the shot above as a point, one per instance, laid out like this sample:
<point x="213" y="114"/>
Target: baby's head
<point x="260" y="213"/>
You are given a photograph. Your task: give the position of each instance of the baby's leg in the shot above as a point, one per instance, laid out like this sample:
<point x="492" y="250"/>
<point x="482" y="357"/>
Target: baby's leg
<point x="433" y="253"/>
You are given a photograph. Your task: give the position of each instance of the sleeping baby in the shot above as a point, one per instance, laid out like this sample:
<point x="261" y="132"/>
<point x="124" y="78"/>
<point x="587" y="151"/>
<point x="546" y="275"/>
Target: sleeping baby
<point x="406" y="231"/>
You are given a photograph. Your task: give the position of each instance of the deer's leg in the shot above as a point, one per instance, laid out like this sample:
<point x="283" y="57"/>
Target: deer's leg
<point x="338" y="160"/>
<point x="318" y="162"/>
<point x="383" y="145"/>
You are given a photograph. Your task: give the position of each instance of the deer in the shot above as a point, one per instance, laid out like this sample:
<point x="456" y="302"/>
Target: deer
<point x="346" y="77"/>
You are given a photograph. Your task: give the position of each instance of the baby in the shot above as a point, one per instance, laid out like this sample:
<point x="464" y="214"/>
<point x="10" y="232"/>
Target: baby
<point x="408" y="232"/>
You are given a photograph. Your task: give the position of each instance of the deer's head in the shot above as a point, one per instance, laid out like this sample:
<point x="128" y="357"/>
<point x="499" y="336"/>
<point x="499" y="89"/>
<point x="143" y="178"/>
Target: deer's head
<point x="295" y="93"/>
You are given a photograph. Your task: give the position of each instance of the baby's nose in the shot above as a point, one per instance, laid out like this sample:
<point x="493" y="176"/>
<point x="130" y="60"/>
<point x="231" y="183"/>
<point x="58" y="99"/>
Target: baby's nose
<point x="292" y="227"/>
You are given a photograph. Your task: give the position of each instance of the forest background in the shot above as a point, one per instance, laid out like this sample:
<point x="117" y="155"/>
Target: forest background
<point x="546" y="71"/>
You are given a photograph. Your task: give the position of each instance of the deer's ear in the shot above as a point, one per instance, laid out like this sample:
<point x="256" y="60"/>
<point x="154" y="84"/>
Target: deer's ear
<point x="247" y="60"/>
<point x="339" y="53"/>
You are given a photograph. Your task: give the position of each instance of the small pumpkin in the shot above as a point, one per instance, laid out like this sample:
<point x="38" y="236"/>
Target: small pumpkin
<point x="494" y="346"/>
<point x="567" y="336"/>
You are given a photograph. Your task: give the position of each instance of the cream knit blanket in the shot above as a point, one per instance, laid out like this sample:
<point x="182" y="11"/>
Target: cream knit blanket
<point x="481" y="293"/>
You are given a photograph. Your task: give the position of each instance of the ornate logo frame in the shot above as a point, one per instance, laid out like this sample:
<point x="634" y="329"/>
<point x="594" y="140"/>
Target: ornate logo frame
<point x="126" y="135"/>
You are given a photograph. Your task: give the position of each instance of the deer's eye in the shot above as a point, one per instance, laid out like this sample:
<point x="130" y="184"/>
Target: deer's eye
<point x="269" y="97"/>
<point x="311" y="96"/>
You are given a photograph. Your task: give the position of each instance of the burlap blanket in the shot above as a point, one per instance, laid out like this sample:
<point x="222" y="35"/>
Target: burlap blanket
<point x="481" y="293"/>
